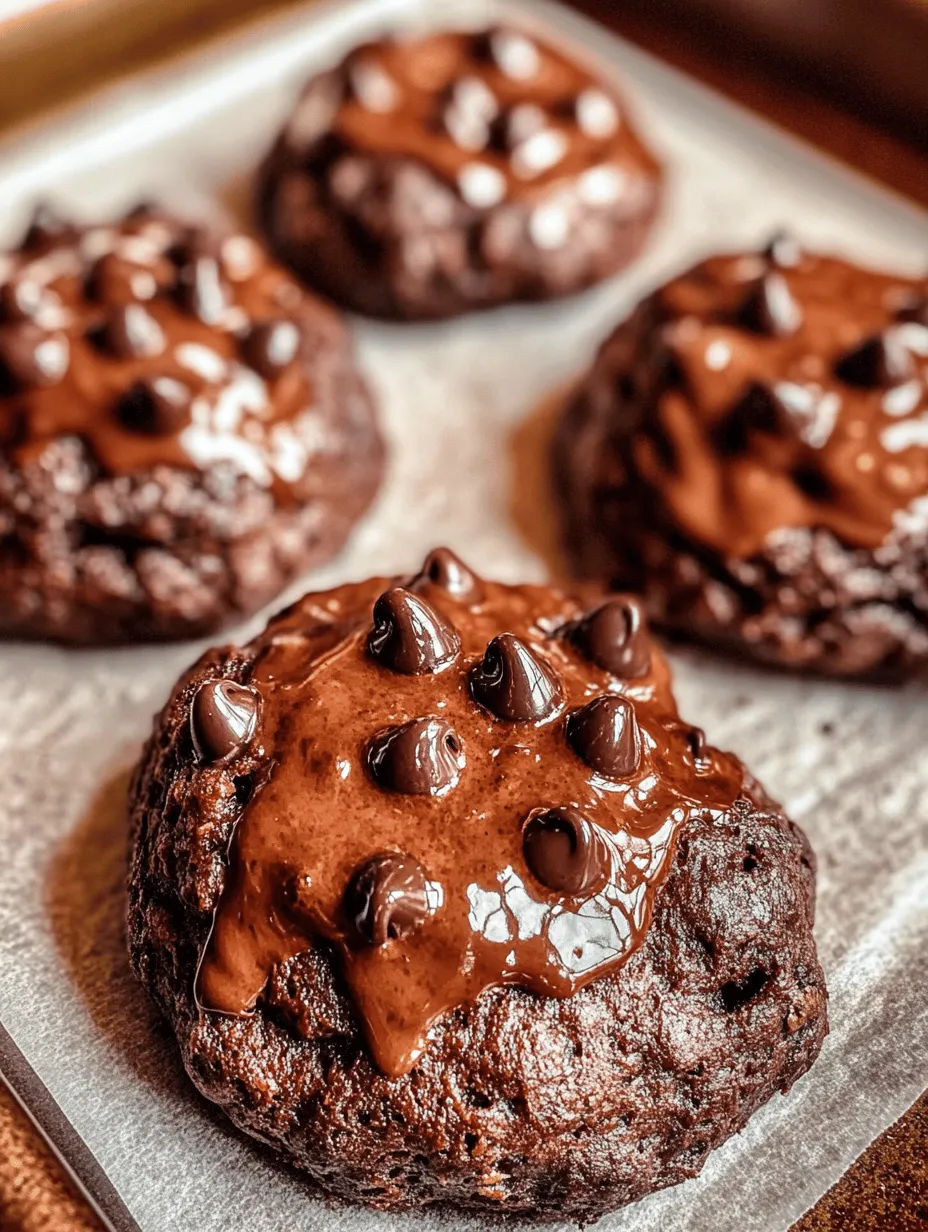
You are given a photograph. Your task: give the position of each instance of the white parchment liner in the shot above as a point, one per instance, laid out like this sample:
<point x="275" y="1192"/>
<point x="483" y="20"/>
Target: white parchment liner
<point x="465" y="406"/>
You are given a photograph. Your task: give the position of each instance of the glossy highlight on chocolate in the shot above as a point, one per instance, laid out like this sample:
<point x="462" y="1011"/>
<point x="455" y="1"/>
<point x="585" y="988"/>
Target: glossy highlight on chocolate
<point x="445" y="838"/>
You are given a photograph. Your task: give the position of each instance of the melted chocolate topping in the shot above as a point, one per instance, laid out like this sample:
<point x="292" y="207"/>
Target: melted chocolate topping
<point x="780" y="389"/>
<point x="159" y="346"/>
<point x="439" y="850"/>
<point x="497" y="115"/>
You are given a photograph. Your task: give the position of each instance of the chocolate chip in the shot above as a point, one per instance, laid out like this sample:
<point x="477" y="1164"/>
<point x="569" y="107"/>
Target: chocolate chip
<point x="517" y="124"/>
<point x="202" y="289"/>
<point x="596" y="114"/>
<point x="512" y="52"/>
<point x="878" y="362"/>
<point x="387" y="898"/>
<point x="914" y="310"/>
<point x="442" y="568"/>
<point x="373" y="87"/>
<point x="196" y="242"/>
<point x="565" y="852"/>
<point x="420" y="758"/>
<point x="696" y="738"/>
<point x="271" y="347"/>
<point x="469" y="112"/>
<point x="605" y="734"/>
<point x="155" y="406"/>
<point x="32" y="357"/>
<point x="22" y="298"/>
<point x="133" y="333"/>
<point x="114" y="280"/>
<point x="144" y="211"/>
<point x="758" y="410"/>
<point x="47" y="227"/>
<point x="410" y="636"/>
<point x="783" y="250"/>
<point x="223" y="718"/>
<point x="769" y="308"/>
<point x="614" y="636"/>
<point x="514" y="683"/>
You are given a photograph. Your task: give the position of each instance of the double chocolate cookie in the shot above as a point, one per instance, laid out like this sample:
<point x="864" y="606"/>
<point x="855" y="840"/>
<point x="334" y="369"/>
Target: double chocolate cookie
<point x="182" y="430"/>
<point x="750" y="452"/>
<point x="425" y="177"/>
<point x="445" y="902"/>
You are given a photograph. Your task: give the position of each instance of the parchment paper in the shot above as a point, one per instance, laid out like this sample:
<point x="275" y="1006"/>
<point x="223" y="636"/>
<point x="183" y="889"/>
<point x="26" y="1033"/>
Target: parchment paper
<point x="471" y="400"/>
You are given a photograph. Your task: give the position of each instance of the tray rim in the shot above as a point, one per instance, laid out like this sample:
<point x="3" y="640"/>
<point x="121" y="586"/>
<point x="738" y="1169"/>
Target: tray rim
<point x="31" y="155"/>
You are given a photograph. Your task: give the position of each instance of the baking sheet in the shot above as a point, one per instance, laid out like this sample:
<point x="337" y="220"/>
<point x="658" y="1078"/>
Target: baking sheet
<point x="473" y="399"/>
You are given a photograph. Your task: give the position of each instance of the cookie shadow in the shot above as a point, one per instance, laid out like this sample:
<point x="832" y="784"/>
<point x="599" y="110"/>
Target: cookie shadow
<point x="533" y="502"/>
<point x="85" y="899"/>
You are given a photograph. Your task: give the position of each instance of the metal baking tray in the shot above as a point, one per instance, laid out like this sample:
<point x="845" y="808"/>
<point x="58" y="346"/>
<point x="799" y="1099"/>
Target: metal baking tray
<point x="847" y="760"/>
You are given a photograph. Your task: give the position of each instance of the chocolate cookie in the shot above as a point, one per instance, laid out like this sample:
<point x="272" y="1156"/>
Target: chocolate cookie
<point x="182" y="430"/>
<point x="424" y="178"/>
<point x="750" y="452"/>
<point x="445" y="902"/>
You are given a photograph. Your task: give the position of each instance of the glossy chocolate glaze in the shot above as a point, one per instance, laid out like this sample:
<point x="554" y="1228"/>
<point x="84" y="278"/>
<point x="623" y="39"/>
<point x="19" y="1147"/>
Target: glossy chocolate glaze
<point x="497" y="114"/>
<point x="158" y="344"/>
<point x="775" y="390"/>
<point x="442" y="837"/>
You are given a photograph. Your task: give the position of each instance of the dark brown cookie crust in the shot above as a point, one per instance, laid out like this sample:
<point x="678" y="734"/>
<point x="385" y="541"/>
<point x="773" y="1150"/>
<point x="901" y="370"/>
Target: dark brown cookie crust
<point x="521" y="1104"/>
<point x="385" y="235"/>
<point x="806" y="602"/>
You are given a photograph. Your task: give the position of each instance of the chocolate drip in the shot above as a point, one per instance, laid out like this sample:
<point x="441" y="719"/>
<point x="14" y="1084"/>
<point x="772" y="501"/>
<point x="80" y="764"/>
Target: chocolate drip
<point x="499" y="115"/>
